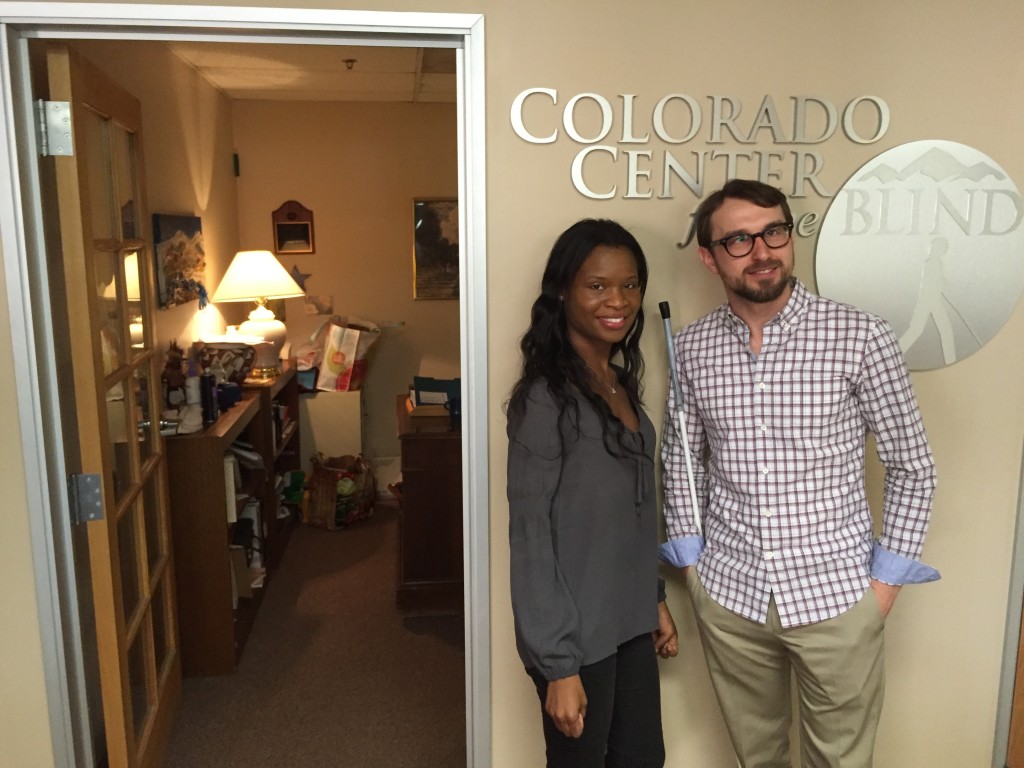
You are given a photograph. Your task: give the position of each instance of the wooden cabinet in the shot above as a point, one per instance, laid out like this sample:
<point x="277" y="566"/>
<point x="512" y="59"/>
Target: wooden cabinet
<point x="213" y="623"/>
<point x="430" y="519"/>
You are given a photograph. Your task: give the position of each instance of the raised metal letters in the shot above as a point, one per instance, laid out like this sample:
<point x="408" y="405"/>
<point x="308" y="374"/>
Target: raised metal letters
<point x="676" y="119"/>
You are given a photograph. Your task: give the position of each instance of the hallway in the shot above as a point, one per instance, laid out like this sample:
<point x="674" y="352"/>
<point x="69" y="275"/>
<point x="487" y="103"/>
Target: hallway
<point x="332" y="675"/>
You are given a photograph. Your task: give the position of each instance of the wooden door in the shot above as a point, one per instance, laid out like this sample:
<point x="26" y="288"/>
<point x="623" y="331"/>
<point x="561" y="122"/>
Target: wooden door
<point x="1015" y="750"/>
<point x="113" y="409"/>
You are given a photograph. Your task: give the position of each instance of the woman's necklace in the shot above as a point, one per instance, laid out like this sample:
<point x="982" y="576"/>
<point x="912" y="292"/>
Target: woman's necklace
<point x="602" y="380"/>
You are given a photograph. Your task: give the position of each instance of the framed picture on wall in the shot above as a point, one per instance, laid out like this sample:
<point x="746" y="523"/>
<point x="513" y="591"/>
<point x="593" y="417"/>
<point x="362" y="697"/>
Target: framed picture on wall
<point x="436" y="249"/>
<point x="293" y="228"/>
<point x="180" y="259"/>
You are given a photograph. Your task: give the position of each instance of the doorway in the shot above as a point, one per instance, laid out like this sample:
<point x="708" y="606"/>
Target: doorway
<point x="20" y="208"/>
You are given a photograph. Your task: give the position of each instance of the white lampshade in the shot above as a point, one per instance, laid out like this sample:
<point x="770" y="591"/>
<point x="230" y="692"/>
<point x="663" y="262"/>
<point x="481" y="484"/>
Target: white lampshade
<point x="258" y="276"/>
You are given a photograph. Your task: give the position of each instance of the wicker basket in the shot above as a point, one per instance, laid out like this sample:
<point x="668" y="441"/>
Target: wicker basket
<point x="331" y="510"/>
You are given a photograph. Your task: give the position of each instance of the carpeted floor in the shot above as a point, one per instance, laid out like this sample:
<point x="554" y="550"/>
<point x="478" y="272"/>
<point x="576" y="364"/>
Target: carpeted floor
<point x="332" y="674"/>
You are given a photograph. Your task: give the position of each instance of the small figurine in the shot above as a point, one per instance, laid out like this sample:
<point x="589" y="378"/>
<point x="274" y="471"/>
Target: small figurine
<point x="173" y="376"/>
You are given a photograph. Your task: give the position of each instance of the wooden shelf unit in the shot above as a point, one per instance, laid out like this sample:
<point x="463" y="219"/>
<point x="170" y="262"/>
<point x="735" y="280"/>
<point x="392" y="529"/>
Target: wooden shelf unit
<point x="279" y="444"/>
<point x="213" y="632"/>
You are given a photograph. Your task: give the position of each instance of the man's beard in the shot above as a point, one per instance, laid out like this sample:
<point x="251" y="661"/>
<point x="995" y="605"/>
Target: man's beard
<point x="761" y="292"/>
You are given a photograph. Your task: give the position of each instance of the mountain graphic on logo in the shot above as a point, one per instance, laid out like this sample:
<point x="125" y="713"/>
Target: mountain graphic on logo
<point x="936" y="164"/>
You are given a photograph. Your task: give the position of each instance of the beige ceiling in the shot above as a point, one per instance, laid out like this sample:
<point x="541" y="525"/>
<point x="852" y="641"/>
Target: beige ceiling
<point x="324" y="72"/>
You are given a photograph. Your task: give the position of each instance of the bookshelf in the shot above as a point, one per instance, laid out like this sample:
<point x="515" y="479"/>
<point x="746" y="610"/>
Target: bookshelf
<point x="279" y="444"/>
<point x="217" y="602"/>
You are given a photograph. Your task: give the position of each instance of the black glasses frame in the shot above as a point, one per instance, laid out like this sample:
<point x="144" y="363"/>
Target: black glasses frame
<point x="724" y="242"/>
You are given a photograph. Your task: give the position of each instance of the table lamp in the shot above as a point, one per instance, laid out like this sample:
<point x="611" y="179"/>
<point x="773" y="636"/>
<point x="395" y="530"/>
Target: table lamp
<point x="258" y="276"/>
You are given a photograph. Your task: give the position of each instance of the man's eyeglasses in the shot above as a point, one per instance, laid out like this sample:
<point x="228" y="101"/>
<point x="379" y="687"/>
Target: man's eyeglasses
<point x="738" y="246"/>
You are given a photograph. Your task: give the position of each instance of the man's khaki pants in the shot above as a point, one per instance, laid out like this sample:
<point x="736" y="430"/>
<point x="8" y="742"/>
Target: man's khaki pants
<point x="839" y="670"/>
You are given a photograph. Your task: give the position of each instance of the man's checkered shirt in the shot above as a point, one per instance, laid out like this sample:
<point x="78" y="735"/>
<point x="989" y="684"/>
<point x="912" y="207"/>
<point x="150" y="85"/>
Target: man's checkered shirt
<point x="782" y="435"/>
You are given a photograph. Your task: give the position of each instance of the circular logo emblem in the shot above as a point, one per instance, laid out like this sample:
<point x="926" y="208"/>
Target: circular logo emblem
<point x="927" y="235"/>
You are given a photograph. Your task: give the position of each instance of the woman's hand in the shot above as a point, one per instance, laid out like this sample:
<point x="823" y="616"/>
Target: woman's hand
<point x="666" y="639"/>
<point x="566" y="704"/>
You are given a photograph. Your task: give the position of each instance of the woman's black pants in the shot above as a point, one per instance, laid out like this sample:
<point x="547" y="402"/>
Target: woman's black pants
<point x="622" y="727"/>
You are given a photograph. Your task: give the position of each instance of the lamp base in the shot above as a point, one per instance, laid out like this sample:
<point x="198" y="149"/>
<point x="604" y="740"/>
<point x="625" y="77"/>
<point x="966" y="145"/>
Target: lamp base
<point x="264" y="372"/>
<point x="262" y="322"/>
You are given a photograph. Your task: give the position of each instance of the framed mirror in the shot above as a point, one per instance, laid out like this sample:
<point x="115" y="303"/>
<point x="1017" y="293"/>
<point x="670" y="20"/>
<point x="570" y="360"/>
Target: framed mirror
<point x="293" y="228"/>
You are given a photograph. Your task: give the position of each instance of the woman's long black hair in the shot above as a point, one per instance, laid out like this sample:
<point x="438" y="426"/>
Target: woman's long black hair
<point x="548" y="354"/>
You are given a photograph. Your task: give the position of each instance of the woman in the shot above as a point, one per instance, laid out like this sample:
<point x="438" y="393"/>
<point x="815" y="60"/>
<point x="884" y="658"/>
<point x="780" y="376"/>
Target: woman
<point x="589" y="608"/>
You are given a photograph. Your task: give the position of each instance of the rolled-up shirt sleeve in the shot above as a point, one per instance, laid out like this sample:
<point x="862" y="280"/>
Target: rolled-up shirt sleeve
<point x="681" y="552"/>
<point x="896" y="570"/>
<point x="546" y="616"/>
<point x="891" y="412"/>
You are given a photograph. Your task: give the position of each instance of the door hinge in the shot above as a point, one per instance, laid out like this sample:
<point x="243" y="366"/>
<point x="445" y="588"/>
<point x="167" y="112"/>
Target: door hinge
<point x="54" y="124"/>
<point x="85" y="497"/>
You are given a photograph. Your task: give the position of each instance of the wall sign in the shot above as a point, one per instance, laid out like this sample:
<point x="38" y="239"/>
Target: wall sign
<point x="678" y="119"/>
<point x="928" y="236"/>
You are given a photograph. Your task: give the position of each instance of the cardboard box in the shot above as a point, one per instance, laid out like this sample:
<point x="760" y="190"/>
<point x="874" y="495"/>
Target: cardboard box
<point x="428" y="418"/>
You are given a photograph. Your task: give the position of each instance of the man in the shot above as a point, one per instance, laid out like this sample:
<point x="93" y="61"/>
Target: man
<point x="779" y="388"/>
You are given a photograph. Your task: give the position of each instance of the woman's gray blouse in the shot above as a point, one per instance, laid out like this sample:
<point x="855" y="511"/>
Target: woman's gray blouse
<point x="583" y="536"/>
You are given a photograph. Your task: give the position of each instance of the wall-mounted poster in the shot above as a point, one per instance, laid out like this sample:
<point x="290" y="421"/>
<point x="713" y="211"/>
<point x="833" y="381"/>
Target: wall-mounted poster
<point x="436" y="254"/>
<point x="180" y="259"/>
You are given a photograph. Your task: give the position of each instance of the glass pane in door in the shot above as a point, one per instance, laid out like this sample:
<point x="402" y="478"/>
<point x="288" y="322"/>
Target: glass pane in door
<point x="121" y="424"/>
<point x="96" y="151"/>
<point x="147" y="422"/>
<point x="138" y="681"/>
<point x="162" y="640"/>
<point x="128" y="556"/>
<point x="122" y="142"/>
<point x="133" y="294"/>
<point x="156" y="541"/>
<point x="109" y="314"/>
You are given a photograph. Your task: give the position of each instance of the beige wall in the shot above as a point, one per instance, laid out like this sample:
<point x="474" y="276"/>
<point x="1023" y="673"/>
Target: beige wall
<point x="358" y="167"/>
<point x="24" y="719"/>
<point x="944" y="71"/>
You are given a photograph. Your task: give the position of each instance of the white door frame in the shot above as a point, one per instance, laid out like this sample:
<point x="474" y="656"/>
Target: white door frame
<point x="21" y="239"/>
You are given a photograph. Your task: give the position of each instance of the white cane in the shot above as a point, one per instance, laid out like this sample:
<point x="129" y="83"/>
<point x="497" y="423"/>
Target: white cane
<point x="680" y="418"/>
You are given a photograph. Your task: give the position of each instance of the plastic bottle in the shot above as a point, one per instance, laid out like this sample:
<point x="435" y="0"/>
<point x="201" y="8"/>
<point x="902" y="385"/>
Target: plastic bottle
<point x="192" y="394"/>
<point x="208" y="396"/>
